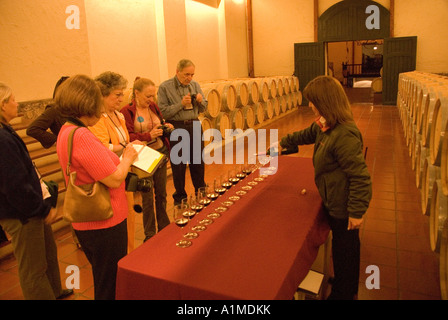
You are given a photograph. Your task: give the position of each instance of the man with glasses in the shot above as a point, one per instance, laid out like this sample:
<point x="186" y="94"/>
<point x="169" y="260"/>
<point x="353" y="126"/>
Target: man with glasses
<point x="180" y="100"/>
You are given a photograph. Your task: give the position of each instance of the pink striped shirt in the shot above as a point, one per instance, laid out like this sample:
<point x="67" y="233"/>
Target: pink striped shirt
<point x="92" y="162"/>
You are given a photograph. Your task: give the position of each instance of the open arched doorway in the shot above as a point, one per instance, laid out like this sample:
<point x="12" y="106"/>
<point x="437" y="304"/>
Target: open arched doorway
<point x="357" y="20"/>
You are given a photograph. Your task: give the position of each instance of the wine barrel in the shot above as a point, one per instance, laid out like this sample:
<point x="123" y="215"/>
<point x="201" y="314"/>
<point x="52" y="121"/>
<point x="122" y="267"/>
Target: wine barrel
<point x="422" y="103"/>
<point x="444" y="163"/>
<point x="430" y="174"/>
<point x="214" y="101"/>
<point x="286" y="86"/>
<point x="254" y="92"/>
<point x="222" y="123"/>
<point x="298" y="98"/>
<point x="439" y="123"/>
<point x="296" y="83"/>
<point x="428" y="118"/>
<point x="263" y="89"/>
<point x="289" y="102"/>
<point x="258" y="112"/>
<point x="443" y="262"/>
<point x="280" y="88"/>
<point x="416" y="142"/>
<point x="276" y="105"/>
<point x="206" y="124"/>
<point x="437" y="216"/>
<point x="236" y="119"/>
<point x="249" y="116"/>
<point x="421" y="153"/>
<point x="242" y="93"/>
<point x="228" y="95"/>
<point x="412" y="139"/>
<point x="268" y="109"/>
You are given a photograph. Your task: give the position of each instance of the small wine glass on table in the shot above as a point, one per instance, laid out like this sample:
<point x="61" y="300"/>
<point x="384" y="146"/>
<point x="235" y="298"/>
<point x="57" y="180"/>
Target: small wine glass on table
<point x="211" y="193"/>
<point x="181" y="221"/>
<point x="189" y="213"/>
<point x="218" y="187"/>
<point x="225" y="182"/>
<point x="202" y="197"/>
<point x="195" y="204"/>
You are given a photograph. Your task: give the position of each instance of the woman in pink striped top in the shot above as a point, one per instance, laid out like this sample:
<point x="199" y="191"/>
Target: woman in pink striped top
<point x="104" y="242"/>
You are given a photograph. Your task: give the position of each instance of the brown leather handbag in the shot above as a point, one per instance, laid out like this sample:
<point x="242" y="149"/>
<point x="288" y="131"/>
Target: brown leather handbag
<point x="85" y="203"/>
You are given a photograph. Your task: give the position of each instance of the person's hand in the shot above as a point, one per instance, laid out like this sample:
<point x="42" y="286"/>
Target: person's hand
<point x="199" y="98"/>
<point x="156" y="132"/>
<point x="137" y="142"/>
<point x="186" y="100"/>
<point x="275" y="145"/>
<point x="354" y="223"/>
<point x="51" y="217"/>
<point x="130" y="153"/>
<point x="169" y="125"/>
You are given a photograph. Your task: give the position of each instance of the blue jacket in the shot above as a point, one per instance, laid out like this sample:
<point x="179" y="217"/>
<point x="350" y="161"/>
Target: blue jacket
<point x="20" y="190"/>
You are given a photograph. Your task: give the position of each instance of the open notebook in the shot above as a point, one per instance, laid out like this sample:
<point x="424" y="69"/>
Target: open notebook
<point x="148" y="161"/>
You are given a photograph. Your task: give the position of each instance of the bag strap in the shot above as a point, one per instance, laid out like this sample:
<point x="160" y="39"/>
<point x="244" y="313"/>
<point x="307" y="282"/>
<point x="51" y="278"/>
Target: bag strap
<point x="70" y="149"/>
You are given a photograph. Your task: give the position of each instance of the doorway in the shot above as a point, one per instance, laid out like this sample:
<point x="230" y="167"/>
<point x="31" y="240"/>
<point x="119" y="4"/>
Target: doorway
<point x="346" y="22"/>
<point x="356" y="65"/>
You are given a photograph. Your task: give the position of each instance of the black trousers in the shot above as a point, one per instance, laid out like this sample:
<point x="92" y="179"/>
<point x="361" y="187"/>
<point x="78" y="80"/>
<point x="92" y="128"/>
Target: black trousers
<point x="197" y="170"/>
<point x="346" y="259"/>
<point x="104" y="248"/>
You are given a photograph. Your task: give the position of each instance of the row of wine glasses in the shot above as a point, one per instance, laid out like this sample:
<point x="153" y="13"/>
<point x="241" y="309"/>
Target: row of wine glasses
<point x="189" y="208"/>
<point x="183" y="213"/>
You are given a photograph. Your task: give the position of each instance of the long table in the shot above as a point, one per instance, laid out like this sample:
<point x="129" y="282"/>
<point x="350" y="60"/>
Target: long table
<point x="261" y="248"/>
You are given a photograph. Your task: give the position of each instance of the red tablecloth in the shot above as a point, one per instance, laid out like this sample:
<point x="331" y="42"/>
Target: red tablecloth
<point x="260" y="249"/>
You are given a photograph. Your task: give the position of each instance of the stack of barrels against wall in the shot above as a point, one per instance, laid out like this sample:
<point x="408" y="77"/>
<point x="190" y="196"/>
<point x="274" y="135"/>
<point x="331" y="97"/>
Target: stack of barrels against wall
<point x="245" y="103"/>
<point x="423" y="107"/>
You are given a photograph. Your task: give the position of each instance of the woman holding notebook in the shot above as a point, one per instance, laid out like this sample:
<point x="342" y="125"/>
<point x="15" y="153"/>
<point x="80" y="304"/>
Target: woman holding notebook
<point x="144" y="122"/>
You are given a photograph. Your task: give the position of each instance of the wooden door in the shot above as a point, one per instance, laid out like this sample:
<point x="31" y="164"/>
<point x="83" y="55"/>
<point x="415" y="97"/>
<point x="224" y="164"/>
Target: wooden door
<point x="399" y="55"/>
<point x="309" y="62"/>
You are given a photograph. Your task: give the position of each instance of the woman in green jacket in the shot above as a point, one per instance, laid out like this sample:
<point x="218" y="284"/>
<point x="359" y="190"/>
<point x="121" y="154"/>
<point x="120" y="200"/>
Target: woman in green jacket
<point x="341" y="176"/>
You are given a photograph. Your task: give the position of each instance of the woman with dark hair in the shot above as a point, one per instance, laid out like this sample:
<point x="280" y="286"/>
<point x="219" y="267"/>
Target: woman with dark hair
<point x="49" y="119"/>
<point x="341" y="176"/>
<point x="104" y="242"/>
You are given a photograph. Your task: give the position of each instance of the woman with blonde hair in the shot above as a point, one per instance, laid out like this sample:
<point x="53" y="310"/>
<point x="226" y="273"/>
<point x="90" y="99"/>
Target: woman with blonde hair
<point x="24" y="214"/>
<point x="341" y="176"/>
<point x="144" y="122"/>
<point x="104" y="242"/>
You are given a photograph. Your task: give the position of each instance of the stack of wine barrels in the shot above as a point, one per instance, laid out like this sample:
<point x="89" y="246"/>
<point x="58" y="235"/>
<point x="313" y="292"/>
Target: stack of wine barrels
<point x="244" y="103"/>
<point x="423" y="107"/>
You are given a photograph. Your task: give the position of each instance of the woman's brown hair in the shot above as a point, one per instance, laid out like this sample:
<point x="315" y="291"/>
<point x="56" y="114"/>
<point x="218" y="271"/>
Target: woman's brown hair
<point x="328" y="96"/>
<point x="79" y="96"/>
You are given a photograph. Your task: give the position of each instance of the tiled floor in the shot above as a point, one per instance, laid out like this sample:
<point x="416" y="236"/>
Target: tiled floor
<point x="394" y="236"/>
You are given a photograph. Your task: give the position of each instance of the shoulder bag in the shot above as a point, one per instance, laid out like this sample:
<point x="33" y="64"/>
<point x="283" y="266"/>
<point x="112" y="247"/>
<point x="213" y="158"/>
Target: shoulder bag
<point x="85" y="203"/>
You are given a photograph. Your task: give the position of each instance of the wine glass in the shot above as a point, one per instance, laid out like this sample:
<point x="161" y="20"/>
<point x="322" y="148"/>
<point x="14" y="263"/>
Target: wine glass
<point x="225" y="182"/>
<point x="218" y="187"/>
<point x="240" y="173"/>
<point x="232" y="177"/>
<point x="247" y="169"/>
<point x="189" y="213"/>
<point x="211" y="194"/>
<point x="202" y="196"/>
<point x="195" y="204"/>
<point x="181" y="221"/>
